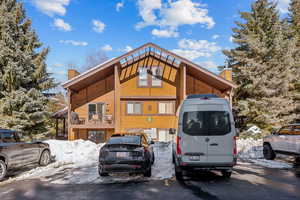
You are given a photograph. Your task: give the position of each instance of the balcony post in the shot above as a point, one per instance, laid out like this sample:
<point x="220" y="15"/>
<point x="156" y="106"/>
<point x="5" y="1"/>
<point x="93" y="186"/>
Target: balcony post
<point x="117" y="99"/>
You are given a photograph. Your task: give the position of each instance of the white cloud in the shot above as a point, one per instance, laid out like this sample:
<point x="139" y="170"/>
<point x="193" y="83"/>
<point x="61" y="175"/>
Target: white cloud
<point x="127" y="48"/>
<point x="193" y="49"/>
<point x="119" y="5"/>
<point x="208" y="64"/>
<point x="283" y="5"/>
<point x="173" y="14"/>
<point x="73" y="42"/>
<point x="52" y="7"/>
<point x="215" y="36"/>
<point x="231" y="39"/>
<point x="58" y="65"/>
<point x="106" y="47"/>
<point x="98" y="26"/>
<point x="61" y="72"/>
<point x="62" y="25"/>
<point x="164" y="33"/>
<point x="191" y="54"/>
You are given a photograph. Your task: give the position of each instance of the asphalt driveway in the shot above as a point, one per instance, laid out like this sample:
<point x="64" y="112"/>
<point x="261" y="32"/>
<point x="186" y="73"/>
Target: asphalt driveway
<point x="248" y="182"/>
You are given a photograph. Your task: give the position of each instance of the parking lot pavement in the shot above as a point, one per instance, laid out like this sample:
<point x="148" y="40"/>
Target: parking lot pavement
<point x="248" y="182"/>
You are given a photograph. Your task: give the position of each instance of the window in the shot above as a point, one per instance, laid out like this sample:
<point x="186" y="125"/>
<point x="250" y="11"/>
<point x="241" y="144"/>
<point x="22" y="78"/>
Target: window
<point x="143" y="77"/>
<point x="134" y="108"/>
<point x="166" y="108"/>
<point x="156" y="76"/>
<point x="198" y="123"/>
<point x="8" y="137"/>
<point x="96" y="136"/>
<point x="96" y="111"/>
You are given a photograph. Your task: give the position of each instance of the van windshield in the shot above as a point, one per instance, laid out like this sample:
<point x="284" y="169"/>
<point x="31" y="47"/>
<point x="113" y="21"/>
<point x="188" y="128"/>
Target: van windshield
<point x="206" y="123"/>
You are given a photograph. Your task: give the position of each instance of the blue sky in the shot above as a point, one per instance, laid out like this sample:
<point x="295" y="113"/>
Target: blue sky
<point x="196" y="29"/>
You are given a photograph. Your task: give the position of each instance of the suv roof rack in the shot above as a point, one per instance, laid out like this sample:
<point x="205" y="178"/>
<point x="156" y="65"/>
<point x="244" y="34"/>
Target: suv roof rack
<point x="201" y="96"/>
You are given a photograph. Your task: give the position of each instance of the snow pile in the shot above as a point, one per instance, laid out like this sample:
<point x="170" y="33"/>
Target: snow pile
<point x="163" y="167"/>
<point x="249" y="148"/>
<point x="80" y="153"/>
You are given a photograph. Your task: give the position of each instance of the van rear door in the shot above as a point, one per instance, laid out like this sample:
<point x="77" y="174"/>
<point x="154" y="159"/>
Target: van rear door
<point x="207" y="129"/>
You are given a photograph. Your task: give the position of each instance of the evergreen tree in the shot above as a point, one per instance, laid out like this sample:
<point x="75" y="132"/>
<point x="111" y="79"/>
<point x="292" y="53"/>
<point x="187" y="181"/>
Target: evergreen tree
<point x="23" y="75"/>
<point x="294" y="19"/>
<point x="262" y="63"/>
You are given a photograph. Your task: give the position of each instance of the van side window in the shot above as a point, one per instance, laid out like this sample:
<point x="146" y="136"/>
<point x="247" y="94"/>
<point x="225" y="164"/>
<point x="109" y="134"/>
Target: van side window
<point x="9" y="137"/>
<point x="197" y="123"/>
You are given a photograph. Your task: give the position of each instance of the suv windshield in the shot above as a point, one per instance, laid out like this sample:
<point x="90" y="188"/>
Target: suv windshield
<point x="136" y="140"/>
<point x="198" y="123"/>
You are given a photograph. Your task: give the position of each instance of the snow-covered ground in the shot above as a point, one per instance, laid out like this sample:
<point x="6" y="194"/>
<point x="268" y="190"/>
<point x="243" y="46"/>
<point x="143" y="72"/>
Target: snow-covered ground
<point x="76" y="162"/>
<point x="252" y="151"/>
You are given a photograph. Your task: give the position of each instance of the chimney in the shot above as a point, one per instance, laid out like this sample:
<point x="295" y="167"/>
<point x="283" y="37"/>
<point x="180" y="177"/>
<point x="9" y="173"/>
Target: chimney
<point x="226" y="74"/>
<point x="72" y="73"/>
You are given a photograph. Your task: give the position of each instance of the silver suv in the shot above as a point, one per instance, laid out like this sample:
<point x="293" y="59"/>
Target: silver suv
<point x="284" y="141"/>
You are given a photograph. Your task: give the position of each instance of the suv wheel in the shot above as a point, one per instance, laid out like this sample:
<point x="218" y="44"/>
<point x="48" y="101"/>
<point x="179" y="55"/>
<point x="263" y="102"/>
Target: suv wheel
<point x="148" y="173"/>
<point x="45" y="158"/>
<point x="226" y="173"/>
<point x="3" y="170"/>
<point x="268" y="152"/>
<point x="100" y="171"/>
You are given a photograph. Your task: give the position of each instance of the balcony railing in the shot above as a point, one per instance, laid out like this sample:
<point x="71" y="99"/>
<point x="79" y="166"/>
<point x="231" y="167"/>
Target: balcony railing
<point x="103" y="122"/>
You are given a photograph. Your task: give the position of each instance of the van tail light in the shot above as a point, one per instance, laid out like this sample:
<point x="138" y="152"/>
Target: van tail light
<point x="178" y="149"/>
<point x="234" y="146"/>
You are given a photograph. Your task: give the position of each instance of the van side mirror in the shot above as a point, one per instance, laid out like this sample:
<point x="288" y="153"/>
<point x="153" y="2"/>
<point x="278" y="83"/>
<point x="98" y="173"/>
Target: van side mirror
<point x="172" y="131"/>
<point x="151" y="142"/>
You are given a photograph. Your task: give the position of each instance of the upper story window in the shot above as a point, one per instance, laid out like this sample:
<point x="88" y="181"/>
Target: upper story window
<point x="148" y="80"/>
<point x="134" y="108"/>
<point x="156" y="76"/>
<point x="166" y="108"/>
<point x="143" y="77"/>
<point x="96" y="111"/>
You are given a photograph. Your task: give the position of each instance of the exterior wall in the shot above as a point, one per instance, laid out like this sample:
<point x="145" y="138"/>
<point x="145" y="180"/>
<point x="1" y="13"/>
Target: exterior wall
<point x="196" y="86"/>
<point x="130" y="87"/>
<point x="226" y="74"/>
<point x="149" y="119"/>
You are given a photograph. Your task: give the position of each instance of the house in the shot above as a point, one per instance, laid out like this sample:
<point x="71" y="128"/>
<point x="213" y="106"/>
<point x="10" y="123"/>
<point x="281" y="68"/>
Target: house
<point x="138" y="91"/>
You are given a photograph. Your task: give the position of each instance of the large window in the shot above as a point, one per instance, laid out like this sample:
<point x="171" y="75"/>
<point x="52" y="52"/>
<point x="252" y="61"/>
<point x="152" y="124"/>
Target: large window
<point x="166" y="108"/>
<point x="147" y="80"/>
<point x="143" y="77"/>
<point x="134" y="108"/>
<point x="202" y="123"/>
<point x="96" y="111"/>
<point x="97" y="136"/>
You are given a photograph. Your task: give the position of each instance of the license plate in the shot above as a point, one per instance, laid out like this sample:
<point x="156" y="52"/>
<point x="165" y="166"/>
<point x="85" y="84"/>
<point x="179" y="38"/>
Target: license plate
<point x="122" y="154"/>
<point x="194" y="158"/>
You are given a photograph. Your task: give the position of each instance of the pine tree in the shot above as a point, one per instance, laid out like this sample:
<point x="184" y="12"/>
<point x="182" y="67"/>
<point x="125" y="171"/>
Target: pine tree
<point x="23" y="75"/>
<point x="263" y="64"/>
<point x="294" y="19"/>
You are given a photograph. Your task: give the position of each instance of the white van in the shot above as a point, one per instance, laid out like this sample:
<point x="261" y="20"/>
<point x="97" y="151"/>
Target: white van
<point x="205" y="137"/>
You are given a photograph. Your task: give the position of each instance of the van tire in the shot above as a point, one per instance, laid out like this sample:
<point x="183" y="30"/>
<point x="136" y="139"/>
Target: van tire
<point x="268" y="152"/>
<point x="100" y="171"/>
<point x="3" y="171"/>
<point x="178" y="173"/>
<point x="226" y="173"/>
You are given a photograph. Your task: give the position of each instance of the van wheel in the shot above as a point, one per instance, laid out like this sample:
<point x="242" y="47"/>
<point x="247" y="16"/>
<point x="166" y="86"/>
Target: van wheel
<point x="268" y="152"/>
<point x="3" y="170"/>
<point x="226" y="173"/>
<point x="178" y="173"/>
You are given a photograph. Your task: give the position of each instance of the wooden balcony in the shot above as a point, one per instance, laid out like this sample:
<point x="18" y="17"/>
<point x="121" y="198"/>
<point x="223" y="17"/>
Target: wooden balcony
<point x="106" y="123"/>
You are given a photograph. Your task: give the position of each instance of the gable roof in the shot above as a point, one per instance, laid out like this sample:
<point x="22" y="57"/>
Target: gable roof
<point x="105" y="68"/>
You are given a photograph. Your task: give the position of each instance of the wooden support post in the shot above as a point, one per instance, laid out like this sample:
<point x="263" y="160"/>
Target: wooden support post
<point x="64" y="126"/>
<point x="56" y="127"/>
<point x="117" y="116"/>
<point x="70" y="130"/>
